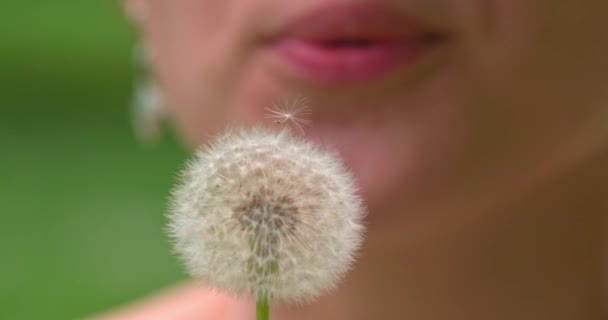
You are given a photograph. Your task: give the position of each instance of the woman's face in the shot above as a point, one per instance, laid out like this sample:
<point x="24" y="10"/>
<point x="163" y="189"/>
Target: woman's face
<point x="420" y="97"/>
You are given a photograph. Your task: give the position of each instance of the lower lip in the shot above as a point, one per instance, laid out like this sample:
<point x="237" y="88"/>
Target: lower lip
<point x="335" y="65"/>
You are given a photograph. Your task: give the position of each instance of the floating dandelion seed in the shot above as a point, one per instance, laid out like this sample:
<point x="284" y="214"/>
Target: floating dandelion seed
<point x="291" y="112"/>
<point x="266" y="214"/>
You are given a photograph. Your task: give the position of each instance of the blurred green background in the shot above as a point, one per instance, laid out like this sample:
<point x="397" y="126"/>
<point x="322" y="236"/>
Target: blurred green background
<point x="82" y="203"/>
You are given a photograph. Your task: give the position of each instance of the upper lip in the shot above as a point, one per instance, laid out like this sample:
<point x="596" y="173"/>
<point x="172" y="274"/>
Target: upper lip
<point x="360" y="23"/>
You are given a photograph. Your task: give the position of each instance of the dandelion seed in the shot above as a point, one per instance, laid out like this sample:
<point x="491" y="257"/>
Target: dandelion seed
<point x="291" y="112"/>
<point x="283" y="223"/>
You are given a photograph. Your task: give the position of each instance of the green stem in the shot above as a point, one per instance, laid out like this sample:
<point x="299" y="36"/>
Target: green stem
<point x="262" y="309"/>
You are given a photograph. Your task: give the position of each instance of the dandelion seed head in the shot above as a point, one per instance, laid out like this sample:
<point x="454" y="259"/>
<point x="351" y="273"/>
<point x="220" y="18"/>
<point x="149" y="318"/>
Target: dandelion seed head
<point x="266" y="214"/>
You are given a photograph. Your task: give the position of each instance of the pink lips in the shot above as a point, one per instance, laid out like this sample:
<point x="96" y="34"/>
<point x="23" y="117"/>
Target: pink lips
<point x="333" y="45"/>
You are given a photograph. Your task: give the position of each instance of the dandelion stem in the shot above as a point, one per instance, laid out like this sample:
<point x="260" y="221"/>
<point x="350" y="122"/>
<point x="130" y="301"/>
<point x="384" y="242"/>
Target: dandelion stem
<point x="262" y="309"/>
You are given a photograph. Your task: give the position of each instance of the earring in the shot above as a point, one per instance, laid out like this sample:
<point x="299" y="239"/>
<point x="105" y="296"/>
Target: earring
<point x="148" y="107"/>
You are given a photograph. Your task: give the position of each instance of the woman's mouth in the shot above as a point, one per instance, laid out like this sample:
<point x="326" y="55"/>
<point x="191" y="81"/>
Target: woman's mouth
<point x="338" y="44"/>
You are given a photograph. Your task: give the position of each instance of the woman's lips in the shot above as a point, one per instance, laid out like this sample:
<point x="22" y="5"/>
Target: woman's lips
<point x="334" y="45"/>
<point x="331" y="64"/>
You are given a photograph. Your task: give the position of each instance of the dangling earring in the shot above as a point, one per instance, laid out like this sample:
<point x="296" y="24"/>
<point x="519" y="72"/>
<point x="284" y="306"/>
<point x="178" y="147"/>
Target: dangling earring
<point x="148" y="107"/>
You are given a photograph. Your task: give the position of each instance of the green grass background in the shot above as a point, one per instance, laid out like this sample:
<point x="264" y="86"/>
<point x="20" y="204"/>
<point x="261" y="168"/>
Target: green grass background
<point x="81" y="202"/>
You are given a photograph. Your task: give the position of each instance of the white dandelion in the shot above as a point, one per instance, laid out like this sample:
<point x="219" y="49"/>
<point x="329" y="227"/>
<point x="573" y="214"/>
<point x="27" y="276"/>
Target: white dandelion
<point x="266" y="214"/>
<point x="291" y="112"/>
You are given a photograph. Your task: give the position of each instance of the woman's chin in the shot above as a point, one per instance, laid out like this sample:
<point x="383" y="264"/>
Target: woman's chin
<point x="387" y="166"/>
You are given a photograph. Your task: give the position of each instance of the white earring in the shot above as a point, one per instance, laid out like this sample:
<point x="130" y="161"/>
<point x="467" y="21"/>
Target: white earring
<point x="148" y="107"/>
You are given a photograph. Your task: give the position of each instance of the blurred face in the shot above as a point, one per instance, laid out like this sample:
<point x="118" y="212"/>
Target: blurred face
<point x="422" y="98"/>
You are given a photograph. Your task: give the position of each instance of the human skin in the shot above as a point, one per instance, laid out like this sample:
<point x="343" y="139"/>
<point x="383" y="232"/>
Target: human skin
<point x="483" y="165"/>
